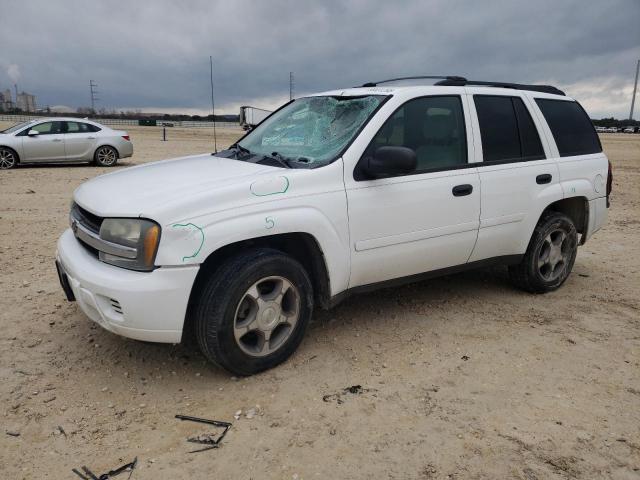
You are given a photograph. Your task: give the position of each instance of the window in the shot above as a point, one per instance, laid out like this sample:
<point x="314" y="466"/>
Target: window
<point x="507" y="130"/>
<point x="47" y="128"/>
<point x="78" y="127"/>
<point x="433" y="127"/>
<point x="571" y="127"/>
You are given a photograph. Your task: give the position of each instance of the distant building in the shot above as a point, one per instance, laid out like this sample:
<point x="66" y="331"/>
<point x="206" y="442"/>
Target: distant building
<point x="26" y="102"/>
<point x="6" y="103"/>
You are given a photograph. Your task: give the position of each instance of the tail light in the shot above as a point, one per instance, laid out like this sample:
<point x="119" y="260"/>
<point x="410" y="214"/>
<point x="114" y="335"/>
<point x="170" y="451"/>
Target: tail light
<point x="609" y="183"/>
<point x="126" y="137"/>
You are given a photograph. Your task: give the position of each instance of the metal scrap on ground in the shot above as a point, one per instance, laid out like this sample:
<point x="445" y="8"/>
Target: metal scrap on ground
<point x="89" y="475"/>
<point x="206" y="439"/>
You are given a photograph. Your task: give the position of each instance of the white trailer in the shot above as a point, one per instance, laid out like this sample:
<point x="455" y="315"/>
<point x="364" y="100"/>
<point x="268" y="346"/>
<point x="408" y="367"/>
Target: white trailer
<point x="252" y="116"/>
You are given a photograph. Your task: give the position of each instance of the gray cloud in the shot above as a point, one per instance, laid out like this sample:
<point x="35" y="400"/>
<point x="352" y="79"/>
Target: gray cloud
<point x="154" y="55"/>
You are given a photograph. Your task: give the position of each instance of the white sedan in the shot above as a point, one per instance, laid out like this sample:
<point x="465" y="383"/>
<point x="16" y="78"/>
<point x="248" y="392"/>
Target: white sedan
<point x="62" y="140"/>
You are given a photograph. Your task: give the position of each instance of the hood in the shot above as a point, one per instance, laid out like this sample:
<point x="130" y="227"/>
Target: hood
<point x="148" y="190"/>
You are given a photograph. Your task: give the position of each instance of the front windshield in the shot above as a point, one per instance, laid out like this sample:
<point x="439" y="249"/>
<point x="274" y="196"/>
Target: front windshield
<point x="312" y="131"/>
<point x="16" y="127"/>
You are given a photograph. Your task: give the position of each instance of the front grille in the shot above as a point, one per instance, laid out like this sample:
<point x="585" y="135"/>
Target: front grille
<point x="86" y="218"/>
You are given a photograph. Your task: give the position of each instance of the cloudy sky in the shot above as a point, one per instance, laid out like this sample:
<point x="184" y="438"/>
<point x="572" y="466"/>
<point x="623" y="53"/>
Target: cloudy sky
<point x="154" y="55"/>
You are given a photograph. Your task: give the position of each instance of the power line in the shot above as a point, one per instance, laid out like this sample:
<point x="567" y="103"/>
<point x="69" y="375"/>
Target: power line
<point x="94" y="93"/>
<point x="635" y="87"/>
<point x="291" y="86"/>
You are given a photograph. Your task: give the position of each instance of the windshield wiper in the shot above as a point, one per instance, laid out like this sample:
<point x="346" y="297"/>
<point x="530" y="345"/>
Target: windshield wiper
<point x="280" y="159"/>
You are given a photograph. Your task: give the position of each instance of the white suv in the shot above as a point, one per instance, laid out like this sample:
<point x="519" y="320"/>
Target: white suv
<point x="332" y="194"/>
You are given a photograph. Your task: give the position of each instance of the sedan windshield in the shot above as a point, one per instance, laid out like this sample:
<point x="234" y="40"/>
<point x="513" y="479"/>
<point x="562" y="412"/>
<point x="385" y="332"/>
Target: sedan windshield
<point x="16" y="127"/>
<point x="311" y="131"/>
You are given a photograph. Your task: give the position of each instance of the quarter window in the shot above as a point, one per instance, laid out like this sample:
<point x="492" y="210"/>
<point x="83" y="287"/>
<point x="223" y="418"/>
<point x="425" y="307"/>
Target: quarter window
<point x="507" y="130"/>
<point x="571" y="127"/>
<point x="433" y="127"/>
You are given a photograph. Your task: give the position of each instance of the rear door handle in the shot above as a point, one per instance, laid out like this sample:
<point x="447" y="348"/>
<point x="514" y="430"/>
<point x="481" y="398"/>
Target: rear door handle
<point x="544" y="178"/>
<point x="91" y="138"/>
<point x="462" y="190"/>
<point x="56" y="140"/>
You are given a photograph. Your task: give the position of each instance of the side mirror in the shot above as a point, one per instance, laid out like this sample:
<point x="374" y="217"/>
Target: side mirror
<point x="33" y="133"/>
<point x="390" y="161"/>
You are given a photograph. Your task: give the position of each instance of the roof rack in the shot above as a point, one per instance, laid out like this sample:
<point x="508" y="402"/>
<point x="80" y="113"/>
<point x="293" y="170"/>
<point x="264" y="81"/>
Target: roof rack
<point x="515" y="86"/>
<point x="420" y="77"/>
<point x="456" y="81"/>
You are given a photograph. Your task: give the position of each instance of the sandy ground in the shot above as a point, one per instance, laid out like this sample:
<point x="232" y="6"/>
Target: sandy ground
<point x="462" y="377"/>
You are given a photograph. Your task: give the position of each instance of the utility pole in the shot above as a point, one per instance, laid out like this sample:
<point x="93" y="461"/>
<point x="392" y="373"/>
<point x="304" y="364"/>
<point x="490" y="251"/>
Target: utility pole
<point x="92" y="88"/>
<point x="635" y="88"/>
<point x="291" y="86"/>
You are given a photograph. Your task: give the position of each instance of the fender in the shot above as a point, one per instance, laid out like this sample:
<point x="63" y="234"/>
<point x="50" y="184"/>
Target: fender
<point x="190" y="242"/>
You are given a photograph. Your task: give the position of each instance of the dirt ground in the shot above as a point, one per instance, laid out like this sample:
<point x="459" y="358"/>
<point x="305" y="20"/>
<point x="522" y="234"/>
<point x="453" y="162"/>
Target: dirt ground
<point x="461" y="377"/>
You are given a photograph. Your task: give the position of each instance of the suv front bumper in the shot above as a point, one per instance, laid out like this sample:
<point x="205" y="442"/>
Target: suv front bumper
<point x="148" y="306"/>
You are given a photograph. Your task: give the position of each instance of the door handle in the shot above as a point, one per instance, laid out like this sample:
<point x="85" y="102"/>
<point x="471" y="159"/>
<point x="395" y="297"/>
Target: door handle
<point x="544" y="178"/>
<point x="462" y="190"/>
<point x="56" y="140"/>
<point x="91" y="138"/>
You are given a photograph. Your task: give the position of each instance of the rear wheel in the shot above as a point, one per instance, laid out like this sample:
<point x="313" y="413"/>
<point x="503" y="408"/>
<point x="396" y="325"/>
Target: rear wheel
<point x="8" y="158"/>
<point x="253" y="312"/>
<point x="550" y="255"/>
<point x="105" y="156"/>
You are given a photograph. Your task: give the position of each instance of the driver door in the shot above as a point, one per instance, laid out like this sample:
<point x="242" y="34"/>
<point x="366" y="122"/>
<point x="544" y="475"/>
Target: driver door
<point x="47" y="146"/>
<point x="423" y="221"/>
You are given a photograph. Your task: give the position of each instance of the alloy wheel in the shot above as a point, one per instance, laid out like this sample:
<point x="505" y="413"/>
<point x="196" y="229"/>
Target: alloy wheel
<point x="7" y="159"/>
<point x="266" y="316"/>
<point x="554" y="256"/>
<point x="106" y="156"/>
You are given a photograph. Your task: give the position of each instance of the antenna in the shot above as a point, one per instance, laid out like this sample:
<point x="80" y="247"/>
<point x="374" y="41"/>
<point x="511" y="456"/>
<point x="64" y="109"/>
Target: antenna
<point x="635" y="87"/>
<point x="213" y="106"/>
<point x="291" y="86"/>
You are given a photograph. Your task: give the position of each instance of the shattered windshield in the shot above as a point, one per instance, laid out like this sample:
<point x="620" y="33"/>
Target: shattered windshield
<point x="311" y="131"/>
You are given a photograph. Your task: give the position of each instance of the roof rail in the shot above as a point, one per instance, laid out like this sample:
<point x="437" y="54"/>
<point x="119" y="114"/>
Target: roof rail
<point x="420" y="77"/>
<point x="515" y="86"/>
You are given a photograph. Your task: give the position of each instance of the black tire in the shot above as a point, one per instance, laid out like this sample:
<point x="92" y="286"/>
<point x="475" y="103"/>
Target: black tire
<point x="220" y="300"/>
<point x="528" y="274"/>
<point x="8" y="158"/>
<point x="105" y="156"/>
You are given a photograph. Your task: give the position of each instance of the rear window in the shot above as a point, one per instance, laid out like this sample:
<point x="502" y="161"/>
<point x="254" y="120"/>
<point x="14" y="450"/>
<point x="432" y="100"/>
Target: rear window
<point x="571" y="127"/>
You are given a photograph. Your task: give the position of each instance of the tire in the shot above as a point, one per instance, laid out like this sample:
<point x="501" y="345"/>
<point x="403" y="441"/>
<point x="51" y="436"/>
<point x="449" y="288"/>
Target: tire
<point x="8" y="158"/>
<point x="550" y="256"/>
<point x="105" y="156"/>
<point x="242" y="296"/>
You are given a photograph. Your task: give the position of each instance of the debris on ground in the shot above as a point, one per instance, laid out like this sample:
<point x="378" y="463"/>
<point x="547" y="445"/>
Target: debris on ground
<point x="89" y="475"/>
<point x="206" y="439"/>
<point x="11" y="433"/>
<point x="353" y="390"/>
<point x="464" y="357"/>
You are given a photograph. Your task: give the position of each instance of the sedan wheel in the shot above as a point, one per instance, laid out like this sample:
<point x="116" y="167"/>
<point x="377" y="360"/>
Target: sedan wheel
<point x="8" y="159"/>
<point x="106" y="156"/>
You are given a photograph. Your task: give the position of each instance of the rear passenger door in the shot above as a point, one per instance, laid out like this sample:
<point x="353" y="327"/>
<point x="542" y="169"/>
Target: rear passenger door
<point x="80" y="141"/>
<point x="518" y="175"/>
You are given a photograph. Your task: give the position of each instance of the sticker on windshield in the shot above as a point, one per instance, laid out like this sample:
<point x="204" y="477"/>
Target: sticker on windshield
<point x="270" y="186"/>
<point x="192" y="239"/>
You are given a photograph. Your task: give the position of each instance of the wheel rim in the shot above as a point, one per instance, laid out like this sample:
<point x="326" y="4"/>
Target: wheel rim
<point x="266" y="316"/>
<point x="7" y="159"/>
<point x="554" y="256"/>
<point x="106" y="156"/>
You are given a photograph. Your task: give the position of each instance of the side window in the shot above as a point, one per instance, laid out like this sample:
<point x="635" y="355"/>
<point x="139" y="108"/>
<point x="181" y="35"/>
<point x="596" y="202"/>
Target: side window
<point x="571" y="127"/>
<point x="433" y="127"/>
<point x="92" y="128"/>
<point x="48" y="128"/>
<point x="507" y="130"/>
<point x="73" y="127"/>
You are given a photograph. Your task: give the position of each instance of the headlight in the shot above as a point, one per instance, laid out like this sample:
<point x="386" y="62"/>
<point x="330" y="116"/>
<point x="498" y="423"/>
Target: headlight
<point x="135" y="233"/>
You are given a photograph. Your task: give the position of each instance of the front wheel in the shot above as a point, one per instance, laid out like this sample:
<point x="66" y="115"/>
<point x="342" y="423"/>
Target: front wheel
<point x="253" y="312"/>
<point x="550" y="255"/>
<point x="106" y="156"/>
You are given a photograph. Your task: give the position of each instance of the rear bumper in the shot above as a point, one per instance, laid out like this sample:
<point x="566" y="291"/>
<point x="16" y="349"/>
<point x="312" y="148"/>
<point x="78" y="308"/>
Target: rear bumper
<point x="148" y="306"/>
<point x="125" y="149"/>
